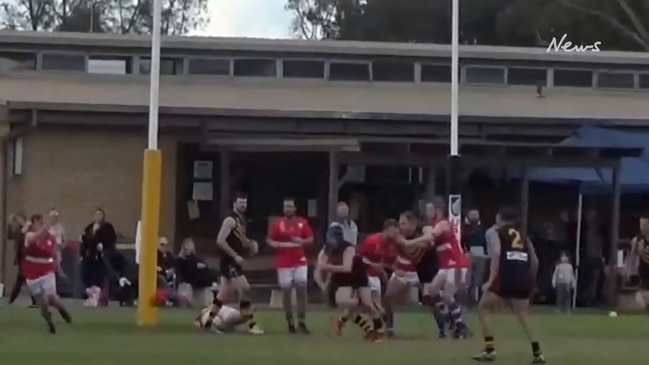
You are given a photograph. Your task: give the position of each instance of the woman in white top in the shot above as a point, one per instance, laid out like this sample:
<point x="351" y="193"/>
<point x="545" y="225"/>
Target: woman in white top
<point x="56" y="229"/>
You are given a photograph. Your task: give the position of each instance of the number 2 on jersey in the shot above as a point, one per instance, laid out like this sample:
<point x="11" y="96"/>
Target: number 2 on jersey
<point x="517" y="242"/>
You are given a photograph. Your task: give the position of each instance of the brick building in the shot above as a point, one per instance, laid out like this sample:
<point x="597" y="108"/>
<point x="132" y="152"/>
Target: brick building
<point x="73" y="112"/>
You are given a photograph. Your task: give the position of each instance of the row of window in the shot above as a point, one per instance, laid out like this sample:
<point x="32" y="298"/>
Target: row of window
<point x="378" y="70"/>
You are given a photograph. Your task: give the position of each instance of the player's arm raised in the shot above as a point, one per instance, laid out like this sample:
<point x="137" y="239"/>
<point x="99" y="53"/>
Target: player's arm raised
<point x="31" y="236"/>
<point x="348" y="262"/>
<point x="493" y="242"/>
<point x="221" y="240"/>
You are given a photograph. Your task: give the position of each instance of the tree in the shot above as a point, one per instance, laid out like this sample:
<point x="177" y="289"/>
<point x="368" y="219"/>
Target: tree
<point x="114" y="16"/>
<point x="618" y="24"/>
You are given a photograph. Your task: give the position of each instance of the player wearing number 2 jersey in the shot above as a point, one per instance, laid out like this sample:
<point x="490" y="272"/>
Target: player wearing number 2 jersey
<point x="512" y="273"/>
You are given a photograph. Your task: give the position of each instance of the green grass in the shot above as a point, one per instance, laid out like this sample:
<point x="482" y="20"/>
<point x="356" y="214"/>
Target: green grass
<point x="108" y="336"/>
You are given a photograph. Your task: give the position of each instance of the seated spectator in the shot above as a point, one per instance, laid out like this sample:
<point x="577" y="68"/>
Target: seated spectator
<point x="124" y="276"/>
<point x="192" y="273"/>
<point x="166" y="274"/>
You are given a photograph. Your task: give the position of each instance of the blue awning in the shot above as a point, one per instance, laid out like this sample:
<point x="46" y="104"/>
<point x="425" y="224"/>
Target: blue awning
<point x="634" y="172"/>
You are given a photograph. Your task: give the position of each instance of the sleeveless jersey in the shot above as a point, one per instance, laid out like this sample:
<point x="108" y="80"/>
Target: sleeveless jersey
<point x="449" y="251"/>
<point x="39" y="257"/>
<point x="409" y="257"/>
<point x="335" y="255"/>
<point x="514" y="260"/>
<point x="237" y="236"/>
<point x="371" y="250"/>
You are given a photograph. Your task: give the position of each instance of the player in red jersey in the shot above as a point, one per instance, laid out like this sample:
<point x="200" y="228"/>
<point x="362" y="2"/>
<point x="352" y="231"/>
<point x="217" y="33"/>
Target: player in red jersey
<point x="410" y="249"/>
<point x="375" y="252"/>
<point x="450" y="258"/>
<point x="39" y="267"/>
<point x="288" y="235"/>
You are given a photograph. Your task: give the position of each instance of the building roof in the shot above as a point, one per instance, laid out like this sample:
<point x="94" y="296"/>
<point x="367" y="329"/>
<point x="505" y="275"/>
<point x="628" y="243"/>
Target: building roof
<point x="7" y="38"/>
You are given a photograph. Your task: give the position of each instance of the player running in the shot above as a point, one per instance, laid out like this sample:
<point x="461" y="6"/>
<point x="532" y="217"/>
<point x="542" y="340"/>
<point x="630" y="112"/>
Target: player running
<point x="39" y="267"/>
<point x="514" y="265"/>
<point x="348" y="285"/>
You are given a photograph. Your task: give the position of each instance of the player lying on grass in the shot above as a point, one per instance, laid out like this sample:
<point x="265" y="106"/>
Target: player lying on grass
<point x="227" y="320"/>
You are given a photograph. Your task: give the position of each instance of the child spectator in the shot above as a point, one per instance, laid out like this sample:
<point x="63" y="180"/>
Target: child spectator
<point x="563" y="281"/>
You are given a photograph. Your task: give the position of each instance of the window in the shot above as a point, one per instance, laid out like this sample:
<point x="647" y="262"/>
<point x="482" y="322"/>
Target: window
<point x="64" y="62"/>
<point x="206" y="66"/>
<point x="349" y="71"/>
<point x="393" y="71"/>
<point x="435" y="73"/>
<point x="644" y="81"/>
<point x="484" y="75"/>
<point x="14" y="157"/>
<point x="10" y="61"/>
<point x="168" y="66"/>
<point x="576" y="78"/>
<point x="110" y="65"/>
<point x="617" y="80"/>
<point x="304" y="69"/>
<point x="255" y="67"/>
<point x="527" y="76"/>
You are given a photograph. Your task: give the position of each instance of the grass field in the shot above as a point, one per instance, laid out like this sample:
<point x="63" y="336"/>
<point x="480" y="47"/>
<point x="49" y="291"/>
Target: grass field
<point x="108" y="336"/>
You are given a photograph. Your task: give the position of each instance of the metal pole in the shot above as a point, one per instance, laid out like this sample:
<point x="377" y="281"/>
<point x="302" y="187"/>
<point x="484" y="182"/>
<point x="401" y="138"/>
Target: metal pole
<point x="455" y="75"/>
<point x="580" y="217"/>
<point x="151" y="176"/>
<point x="154" y="90"/>
<point x="454" y="166"/>
<point x="615" y="239"/>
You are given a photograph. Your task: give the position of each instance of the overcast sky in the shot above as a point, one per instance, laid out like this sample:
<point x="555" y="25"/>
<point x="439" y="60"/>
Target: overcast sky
<point x="248" y="18"/>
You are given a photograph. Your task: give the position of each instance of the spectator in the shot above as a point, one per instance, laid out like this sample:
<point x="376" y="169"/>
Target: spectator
<point x="166" y="261"/>
<point x="592" y="255"/>
<point x="563" y="281"/>
<point x="475" y="243"/>
<point x="56" y="229"/>
<point x="18" y="226"/>
<point x="124" y="276"/>
<point x="192" y="273"/>
<point x="342" y="228"/>
<point x="98" y="238"/>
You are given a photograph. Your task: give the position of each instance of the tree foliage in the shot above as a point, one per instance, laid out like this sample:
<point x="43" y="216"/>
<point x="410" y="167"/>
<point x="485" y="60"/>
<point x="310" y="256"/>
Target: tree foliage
<point x="618" y="24"/>
<point x="102" y="16"/>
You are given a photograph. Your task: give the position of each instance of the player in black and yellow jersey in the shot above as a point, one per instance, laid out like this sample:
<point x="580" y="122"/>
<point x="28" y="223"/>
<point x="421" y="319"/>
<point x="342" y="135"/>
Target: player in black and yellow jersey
<point x="640" y="255"/>
<point x="233" y="244"/>
<point x="514" y="265"/>
<point x="348" y="285"/>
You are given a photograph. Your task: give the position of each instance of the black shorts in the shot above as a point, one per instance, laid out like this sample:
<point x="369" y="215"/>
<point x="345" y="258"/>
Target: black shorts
<point x="427" y="267"/>
<point x="643" y="277"/>
<point x="512" y="290"/>
<point x="229" y="268"/>
<point x="354" y="280"/>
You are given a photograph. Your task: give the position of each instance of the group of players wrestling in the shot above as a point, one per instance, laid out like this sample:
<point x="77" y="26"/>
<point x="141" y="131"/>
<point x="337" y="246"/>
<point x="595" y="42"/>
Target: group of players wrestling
<point x="429" y="257"/>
